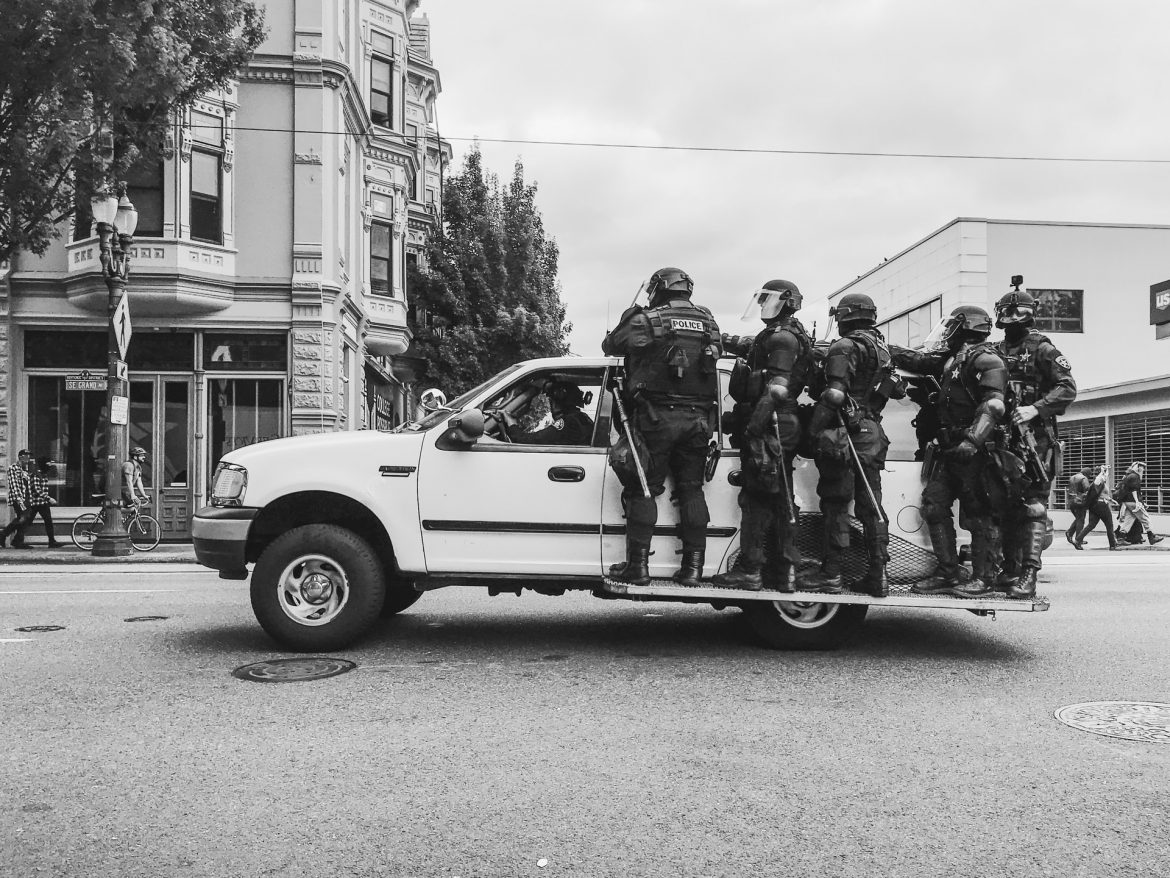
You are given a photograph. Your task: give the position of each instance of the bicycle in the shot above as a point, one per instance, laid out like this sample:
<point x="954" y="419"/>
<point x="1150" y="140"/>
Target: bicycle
<point x="144" y="530"/>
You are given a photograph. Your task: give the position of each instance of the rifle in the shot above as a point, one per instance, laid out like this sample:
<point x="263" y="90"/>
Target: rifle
<point x="784" y="472"/>
<point x="629" y="431"/>
<point x="1033" y="463"/>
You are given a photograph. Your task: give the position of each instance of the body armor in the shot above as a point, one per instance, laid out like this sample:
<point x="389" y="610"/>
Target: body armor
<point x="874" y="381"/>
<point x="967" y="378"/>
<point x="769" y="357"/>
<point x="679" y="363"/>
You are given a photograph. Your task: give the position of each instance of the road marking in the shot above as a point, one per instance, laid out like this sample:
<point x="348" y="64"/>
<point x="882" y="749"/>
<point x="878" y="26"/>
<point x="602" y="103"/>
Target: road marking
<point x="15" y="639"/>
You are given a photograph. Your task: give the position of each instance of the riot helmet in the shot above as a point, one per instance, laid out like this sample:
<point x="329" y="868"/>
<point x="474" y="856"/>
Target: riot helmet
<point x="855" y="308"/>
<point x="966" y="324"/>
<point x="774" y="299"/>
<point x="663" y="283"/>
<point x="1016" y="307"/>
<point x="432" y="399"/>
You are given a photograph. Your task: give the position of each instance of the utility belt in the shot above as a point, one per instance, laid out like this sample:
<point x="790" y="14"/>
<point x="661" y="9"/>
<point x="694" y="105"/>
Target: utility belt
<point x="653" y="407"/>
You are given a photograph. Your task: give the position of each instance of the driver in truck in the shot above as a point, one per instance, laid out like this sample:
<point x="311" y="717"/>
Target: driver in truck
<point x="570" y="425"/>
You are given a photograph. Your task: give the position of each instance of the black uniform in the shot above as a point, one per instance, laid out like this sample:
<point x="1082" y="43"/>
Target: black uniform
<point x="780" y="353"/>
<point x="671" y="395"/>
<point x="858" y="365"/>
<point x="1038" y="375"/>
<point x="570" y="427"/>
<point x="968" y="380"/>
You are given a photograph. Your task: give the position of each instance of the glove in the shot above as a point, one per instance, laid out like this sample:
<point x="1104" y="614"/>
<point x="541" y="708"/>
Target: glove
<point x="1024" y="414"/>
<point x="965" y="450"/>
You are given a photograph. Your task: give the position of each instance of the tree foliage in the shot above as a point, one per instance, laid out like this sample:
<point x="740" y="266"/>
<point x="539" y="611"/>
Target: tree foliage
<point x="69" y="68"/>
<point x="490" y="297"/>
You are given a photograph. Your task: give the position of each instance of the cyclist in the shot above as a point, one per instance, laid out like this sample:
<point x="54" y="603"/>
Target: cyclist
<point x="133" y="491"/>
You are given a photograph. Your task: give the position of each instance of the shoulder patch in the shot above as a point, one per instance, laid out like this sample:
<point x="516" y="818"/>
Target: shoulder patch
<point x="1063" y="362"/>
<point x="558" y="424"/>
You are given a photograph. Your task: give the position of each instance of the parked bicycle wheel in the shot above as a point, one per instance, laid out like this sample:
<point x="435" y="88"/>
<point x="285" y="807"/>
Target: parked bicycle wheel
<point x="85" y="530"/>
<point x="144" y="532"/>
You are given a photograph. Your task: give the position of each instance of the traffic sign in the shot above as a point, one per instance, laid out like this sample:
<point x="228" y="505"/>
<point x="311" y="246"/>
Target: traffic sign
<point x="122" y="328"/>
<point x="85" y="380"/>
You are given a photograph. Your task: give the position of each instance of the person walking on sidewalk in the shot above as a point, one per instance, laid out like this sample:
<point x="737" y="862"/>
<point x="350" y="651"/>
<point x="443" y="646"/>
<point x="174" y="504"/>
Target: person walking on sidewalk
<point x="40" y="500"/>
<point x="1097" y="509"/>
<point x="1129" y="495"/>
<point x="19" y="500"/>
<point x="1078" y="489"/>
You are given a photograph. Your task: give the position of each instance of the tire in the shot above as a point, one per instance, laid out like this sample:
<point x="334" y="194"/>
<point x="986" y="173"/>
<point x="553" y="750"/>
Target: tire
<point x="317" y="588"/>
<point x="804" y="625"/>
<point x="85" y="531"/>
<point x="144" y="533"/>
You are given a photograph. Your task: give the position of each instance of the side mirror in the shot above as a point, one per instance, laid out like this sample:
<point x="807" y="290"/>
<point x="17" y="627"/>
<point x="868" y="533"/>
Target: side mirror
<point x="465" y="429"/>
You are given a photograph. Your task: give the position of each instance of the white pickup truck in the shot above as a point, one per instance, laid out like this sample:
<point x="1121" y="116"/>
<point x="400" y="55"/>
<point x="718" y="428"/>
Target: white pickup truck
<point x="345" y="528"/>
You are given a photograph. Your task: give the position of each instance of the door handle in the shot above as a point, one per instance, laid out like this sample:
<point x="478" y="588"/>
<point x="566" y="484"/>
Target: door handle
<point x="566" y="474"/>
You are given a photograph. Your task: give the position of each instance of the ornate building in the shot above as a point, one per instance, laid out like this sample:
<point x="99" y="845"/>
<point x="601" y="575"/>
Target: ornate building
<point x="268" y="274"/>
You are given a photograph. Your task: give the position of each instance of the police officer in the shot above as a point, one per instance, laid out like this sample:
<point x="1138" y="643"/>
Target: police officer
<point x="1040" y="387"/>
<point x="859" y="381"/>
<point x="671" y="347"/>
<point x="570" y="425"/>
<point x="970" y="405"/>
<point x="767" y="384"/>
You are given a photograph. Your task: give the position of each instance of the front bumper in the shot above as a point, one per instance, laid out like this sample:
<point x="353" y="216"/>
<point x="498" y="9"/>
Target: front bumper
<point x="220" y="537"/>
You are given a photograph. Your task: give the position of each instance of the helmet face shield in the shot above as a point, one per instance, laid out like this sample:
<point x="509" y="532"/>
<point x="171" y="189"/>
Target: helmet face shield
<point x="942" y="336"/>
<point x="768" y="304"/>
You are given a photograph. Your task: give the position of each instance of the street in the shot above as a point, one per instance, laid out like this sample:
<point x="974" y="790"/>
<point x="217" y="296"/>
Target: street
<point x="571" y="736"/>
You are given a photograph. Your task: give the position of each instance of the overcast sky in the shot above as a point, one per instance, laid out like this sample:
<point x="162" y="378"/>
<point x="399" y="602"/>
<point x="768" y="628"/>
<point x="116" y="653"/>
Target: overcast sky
<point x="1063" y="78"/>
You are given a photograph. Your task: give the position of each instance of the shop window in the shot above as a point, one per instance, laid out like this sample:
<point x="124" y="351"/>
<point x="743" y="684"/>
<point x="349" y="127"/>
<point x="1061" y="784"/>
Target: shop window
<point x="1083" y="444"/>
<point x="1144" y="437"/>
<point x="206" y="197"/>
<point x="1059" y="310"/>
<point x="381" y="262"/>
<point x="69" y="427"/>
<point x="243" y="411"/>
<point x="381" y="92"/>
<point x="237" y="352"/>
<point x="144" y="188"/>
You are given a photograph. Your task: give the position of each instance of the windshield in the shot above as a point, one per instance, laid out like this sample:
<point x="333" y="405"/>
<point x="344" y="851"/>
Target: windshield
<point x="455" y="405"/>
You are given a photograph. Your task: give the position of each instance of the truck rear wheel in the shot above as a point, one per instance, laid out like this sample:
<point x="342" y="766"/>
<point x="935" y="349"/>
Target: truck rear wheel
<point x="317" y="588"/>
<point x="804" y="624"/>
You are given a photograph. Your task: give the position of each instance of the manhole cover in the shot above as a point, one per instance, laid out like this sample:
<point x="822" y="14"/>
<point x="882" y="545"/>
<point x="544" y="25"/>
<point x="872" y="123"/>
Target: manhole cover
<point x="293" y="670"/>
<point x="145" y="619"/>
<point x="1147" y="721"/>
<point x="28" y="628"/>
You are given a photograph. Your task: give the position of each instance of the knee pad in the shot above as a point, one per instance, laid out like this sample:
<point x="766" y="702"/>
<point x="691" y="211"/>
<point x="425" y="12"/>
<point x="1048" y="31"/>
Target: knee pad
<point x="1034" y="510"/>
<point x="933" y="513"/>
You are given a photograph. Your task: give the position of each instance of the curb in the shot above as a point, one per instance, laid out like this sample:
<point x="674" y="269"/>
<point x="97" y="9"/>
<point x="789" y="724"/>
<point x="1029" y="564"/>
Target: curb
<point x="71" y="555"/>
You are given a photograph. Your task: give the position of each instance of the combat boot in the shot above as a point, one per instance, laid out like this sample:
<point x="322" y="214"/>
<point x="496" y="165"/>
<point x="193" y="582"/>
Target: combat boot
<point x="828" y="579"/>
<point x="691" y="572"/>
<point x="1153" y="537"/>
<point x="946" y="575"/>
<point x="635" y="570"/>
<point x="739" y="576"/>
<point x="783" y="580"/>
<point x="875" y="582"/>
<point x="1004" y="581"/>
<point x="985" y="546"/>
<point x="1025" y="586"/>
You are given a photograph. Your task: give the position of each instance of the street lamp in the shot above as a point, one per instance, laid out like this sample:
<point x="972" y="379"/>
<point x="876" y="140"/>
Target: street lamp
<point x="116" y="220"/>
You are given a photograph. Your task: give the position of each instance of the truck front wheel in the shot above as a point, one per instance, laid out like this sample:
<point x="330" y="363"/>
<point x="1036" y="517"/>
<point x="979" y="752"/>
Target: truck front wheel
<point x="804" y="624"/>
<point x="317" y="588"/>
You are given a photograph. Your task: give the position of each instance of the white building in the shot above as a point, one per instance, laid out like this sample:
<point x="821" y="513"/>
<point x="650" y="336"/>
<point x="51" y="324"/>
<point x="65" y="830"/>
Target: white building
<point x="1104" y="300"/>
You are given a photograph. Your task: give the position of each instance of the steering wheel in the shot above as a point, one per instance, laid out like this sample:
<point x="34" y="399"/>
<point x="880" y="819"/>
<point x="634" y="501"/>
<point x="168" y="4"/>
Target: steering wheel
<point x="501" y="422"/>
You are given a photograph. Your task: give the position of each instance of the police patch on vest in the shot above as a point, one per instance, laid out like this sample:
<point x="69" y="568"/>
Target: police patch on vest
<point x="1063" y="362"/>
<point x="677" y="323"/>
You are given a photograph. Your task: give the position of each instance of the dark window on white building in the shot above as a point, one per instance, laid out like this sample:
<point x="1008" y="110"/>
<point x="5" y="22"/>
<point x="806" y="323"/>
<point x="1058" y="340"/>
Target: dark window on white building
<point x="144" y="188"/>
<point x="1059" y="310"/>
<point x="381" y="92"/>
<point x="381" y="258"/>
<point x="206" y="197"/>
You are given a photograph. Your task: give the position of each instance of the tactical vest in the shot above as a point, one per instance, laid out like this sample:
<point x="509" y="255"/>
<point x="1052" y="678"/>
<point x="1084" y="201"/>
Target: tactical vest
<point x="1023" y="376"/>
<point x="873" y="382"/>
<point x="679" y="363"/>
<point x="758" y="363"/>
<point x="959" y="394"/>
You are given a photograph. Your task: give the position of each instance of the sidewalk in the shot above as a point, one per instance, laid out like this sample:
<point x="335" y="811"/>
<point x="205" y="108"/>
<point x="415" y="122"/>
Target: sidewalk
<point x="39" y="553"/>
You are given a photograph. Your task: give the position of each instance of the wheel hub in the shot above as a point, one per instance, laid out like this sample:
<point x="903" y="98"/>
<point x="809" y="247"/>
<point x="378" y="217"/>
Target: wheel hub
<point x="317" y="588"/>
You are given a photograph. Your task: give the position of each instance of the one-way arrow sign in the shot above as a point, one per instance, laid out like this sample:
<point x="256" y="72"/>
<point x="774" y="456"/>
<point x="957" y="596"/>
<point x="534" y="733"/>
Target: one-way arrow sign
<point x="122" y="328"/>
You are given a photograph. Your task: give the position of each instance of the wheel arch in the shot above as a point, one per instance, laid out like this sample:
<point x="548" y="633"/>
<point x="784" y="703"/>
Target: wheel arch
<point x="319" y="507"/>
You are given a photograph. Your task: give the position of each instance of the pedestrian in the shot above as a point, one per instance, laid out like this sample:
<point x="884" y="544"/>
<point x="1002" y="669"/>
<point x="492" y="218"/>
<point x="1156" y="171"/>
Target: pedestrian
<point x="40" y="500"/>
<point x="1097" y="508"/>
<point x="1078" y="490"/>
<point x="1040" y="387"/>
<point x="767" y="382"/>
<point x="1129" y="495"/>
<point x="19" y="500"/>
<point x="671" y="348"/>
<point x="971" y="380"/>
<point x="846" y="426"/>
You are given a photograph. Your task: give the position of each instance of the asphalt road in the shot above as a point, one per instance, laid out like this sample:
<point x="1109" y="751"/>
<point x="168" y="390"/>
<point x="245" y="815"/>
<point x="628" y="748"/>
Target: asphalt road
<point x="570" y="736"/>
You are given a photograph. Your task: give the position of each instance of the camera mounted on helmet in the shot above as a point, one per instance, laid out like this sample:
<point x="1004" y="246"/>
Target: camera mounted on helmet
<point x="773" y="300"/>
<point x="966" y="324"/>
<point x="663" y="284"/>
<point x="1016" y="307"/>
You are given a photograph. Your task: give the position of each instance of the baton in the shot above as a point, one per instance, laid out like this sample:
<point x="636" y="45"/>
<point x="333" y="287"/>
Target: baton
<point x="617" y="397"/>
<point x="860" y="471"/>
<point x="784" y="471"/>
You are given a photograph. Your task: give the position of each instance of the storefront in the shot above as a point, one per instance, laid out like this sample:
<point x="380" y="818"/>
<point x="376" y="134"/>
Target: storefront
<point x="194" y="396"/>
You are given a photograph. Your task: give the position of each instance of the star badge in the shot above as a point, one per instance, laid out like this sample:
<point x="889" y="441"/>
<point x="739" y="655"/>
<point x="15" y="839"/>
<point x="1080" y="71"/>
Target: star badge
<point x="955" y="373"/>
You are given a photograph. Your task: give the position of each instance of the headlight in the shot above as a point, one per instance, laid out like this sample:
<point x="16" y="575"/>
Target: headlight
<point x="229" y="484"/>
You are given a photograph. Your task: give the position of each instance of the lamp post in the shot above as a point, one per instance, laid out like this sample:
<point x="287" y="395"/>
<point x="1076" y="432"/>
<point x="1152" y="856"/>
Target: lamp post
<point x="116" y="220"/>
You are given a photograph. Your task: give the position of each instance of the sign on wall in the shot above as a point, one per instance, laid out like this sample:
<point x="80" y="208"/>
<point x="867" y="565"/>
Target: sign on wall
<point x="1160" y="303"/>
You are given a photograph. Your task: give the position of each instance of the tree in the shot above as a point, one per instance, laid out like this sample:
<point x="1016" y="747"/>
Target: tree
<point x="490" y="297"/>
<point x="86" y="86"/>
